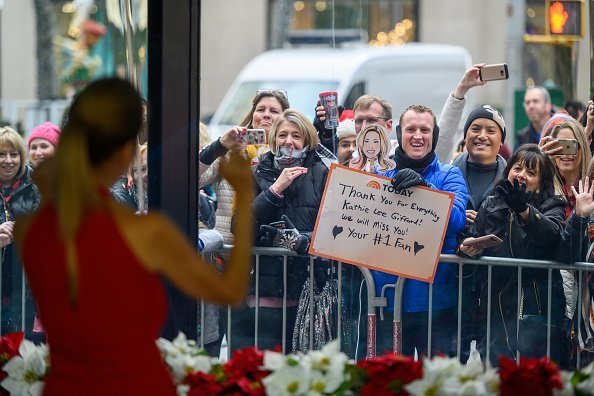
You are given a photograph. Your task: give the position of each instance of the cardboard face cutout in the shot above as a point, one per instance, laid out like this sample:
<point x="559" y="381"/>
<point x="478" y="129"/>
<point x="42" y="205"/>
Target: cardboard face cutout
<point x="372" y="150"/>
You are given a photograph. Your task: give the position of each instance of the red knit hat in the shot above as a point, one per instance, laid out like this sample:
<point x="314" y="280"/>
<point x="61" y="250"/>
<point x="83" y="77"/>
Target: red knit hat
<point x="47" y="131"/>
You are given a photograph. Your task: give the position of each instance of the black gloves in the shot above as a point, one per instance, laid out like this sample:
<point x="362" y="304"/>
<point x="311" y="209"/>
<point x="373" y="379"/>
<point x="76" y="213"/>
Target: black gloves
<point x="515" y="195"/>
<point x="407" y="178"/>
<point x="325" y="134"/>
<point x="286" y="237"/>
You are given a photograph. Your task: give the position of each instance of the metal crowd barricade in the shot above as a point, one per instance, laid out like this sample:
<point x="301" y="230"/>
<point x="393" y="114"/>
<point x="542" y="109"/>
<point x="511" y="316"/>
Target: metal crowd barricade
<point x="375" y="302"/>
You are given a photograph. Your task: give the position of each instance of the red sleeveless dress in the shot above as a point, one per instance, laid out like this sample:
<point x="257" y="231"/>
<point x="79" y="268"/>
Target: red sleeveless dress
<point x="105" y="344"/>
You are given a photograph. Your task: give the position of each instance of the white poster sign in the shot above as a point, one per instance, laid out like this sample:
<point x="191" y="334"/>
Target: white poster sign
<point x="363" y="221"/>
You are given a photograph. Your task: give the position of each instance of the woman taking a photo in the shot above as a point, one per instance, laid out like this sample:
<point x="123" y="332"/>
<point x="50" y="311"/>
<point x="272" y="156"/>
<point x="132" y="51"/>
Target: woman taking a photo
<point x="94" y="265"/>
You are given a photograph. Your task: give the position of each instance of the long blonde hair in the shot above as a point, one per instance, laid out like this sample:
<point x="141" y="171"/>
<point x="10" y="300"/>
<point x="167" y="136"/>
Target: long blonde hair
<point x="584" y="148"/>
<point x="104" y="117"/>
<point x="382" y="158"/>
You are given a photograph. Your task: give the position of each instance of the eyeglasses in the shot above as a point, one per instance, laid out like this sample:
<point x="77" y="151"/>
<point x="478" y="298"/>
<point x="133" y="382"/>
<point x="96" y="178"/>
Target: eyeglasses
<point x="368" y="120"/>
<point x="273" y="91"/>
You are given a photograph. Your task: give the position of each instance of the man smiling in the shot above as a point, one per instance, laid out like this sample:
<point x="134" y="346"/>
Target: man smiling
<point x="481" y="166"/>
<point x="417" y="165"/>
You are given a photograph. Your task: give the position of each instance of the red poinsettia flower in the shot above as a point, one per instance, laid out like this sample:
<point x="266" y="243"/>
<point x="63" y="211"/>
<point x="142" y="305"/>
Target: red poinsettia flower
<point x="202" y="384"/>
<point x="9" y="346"/>
<point x="388" y="374"/>
<point x="535" y="377"/>
<point x="244" y="374"/>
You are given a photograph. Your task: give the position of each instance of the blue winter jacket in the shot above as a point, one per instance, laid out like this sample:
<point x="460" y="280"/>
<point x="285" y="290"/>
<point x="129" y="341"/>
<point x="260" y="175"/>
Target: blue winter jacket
<point x="441" y="177"/>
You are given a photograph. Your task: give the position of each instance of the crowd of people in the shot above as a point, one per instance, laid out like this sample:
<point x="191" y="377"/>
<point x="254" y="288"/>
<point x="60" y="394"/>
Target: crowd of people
<point x="537" y="201"/>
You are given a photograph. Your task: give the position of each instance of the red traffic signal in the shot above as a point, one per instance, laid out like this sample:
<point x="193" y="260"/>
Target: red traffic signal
<point x="565" y="17"/>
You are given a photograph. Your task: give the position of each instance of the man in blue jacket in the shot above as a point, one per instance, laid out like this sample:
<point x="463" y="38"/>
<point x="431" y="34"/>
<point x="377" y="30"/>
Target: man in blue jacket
<point x="417" y="165"/>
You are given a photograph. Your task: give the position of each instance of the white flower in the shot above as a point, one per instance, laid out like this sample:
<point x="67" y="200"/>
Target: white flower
<point x="292" y="378"/>
<point x="440" y="368"/>
<point x="182" y="390"/>
<point x="446" y="376"/>
<point x="273" y="360"/>
<point x="184" y="356"/>
<point x="27" y="371"/>
<point x="587" y="385"/>
<point x="567" y="385"/>
<point x="180" y="345"/>
<point x="327" y="368"/>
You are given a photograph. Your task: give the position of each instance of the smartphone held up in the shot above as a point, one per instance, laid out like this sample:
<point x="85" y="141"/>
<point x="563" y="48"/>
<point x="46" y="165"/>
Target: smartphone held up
<point x="568" y="147"/>
<point x="493" y="72"/>
<point x="253" y="136"/>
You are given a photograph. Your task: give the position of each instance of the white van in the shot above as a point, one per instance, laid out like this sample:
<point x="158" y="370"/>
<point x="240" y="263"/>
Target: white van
<point x="415" y="73"/>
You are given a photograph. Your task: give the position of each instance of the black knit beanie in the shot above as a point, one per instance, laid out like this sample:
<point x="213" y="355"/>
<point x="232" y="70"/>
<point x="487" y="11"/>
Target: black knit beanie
<point x="489" y="112"/>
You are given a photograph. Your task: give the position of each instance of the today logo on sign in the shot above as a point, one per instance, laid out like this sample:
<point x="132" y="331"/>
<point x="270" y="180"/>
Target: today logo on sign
<point x="363" y="221"/>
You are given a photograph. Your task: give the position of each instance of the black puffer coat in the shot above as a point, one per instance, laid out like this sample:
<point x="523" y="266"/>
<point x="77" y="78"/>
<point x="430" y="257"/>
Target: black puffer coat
<point x="300" y="204"/>
<point x="23" y="200"/>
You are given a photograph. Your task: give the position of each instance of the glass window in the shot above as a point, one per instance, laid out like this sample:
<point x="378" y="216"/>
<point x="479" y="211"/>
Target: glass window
<point x="377" y="22"/>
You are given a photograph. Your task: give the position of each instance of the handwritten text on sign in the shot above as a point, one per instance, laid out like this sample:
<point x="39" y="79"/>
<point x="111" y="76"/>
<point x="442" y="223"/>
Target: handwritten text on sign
<point x="363" y="221"/>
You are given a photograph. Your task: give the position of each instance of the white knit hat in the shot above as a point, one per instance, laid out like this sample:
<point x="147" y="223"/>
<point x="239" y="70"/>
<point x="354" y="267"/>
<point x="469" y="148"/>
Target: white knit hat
<point x="346" y="128"/>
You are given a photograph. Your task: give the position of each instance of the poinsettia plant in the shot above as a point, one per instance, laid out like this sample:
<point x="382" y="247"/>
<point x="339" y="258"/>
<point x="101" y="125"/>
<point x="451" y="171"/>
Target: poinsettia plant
<point x="24" y="365"/>
<point x="327" y="372"/>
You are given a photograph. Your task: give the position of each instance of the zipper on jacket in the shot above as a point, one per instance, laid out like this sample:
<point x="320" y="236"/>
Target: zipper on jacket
<point x="509" y="233"/>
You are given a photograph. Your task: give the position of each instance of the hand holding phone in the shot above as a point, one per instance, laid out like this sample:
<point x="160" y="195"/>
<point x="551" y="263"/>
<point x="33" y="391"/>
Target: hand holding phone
<point x="483" y="242"/>
<point x="567" y="147"/>
<point x="494" y="72"/>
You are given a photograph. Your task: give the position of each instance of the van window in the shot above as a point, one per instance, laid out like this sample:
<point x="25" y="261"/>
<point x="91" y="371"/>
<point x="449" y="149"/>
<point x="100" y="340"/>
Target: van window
<point x="358" y="90"/>
<point x="303" y="96"/>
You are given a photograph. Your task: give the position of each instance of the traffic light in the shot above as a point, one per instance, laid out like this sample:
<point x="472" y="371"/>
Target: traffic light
<point x="565" y="18"/>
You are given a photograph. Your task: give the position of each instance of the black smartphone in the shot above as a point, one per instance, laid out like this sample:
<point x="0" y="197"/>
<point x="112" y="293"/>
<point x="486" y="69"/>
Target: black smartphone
<point x="484" y="241"/>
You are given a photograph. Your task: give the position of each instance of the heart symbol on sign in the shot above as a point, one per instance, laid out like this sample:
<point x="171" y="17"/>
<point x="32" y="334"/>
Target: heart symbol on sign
<point x="418" y="247"/>
<point x="336" y="230"/>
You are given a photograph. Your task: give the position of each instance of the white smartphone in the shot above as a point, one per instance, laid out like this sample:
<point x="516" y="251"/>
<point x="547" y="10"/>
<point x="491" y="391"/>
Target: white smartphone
<point x="253" y="136"/>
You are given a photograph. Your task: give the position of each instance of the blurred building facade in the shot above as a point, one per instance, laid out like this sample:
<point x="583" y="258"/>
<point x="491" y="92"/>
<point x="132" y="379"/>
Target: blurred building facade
<point x="234" y="31"/>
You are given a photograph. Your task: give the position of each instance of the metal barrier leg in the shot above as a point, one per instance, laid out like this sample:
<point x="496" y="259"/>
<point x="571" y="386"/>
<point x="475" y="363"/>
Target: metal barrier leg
<point x="371" y="327"/>
<point x="429" y="320"/>
<point x="285" y="304"/>
<point x="257" y="308"/>
<point x="459" y="329"/>
<point x="397" y="324"/>
<point x="489" y="287"/>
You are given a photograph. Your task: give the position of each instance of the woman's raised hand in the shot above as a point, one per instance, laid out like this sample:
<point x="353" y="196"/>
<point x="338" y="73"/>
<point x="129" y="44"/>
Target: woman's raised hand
<point x="584" y="199"/>
<point x="231" y="139"/>
<point x="549" y="145"/>
<point x="237" y="171"/>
